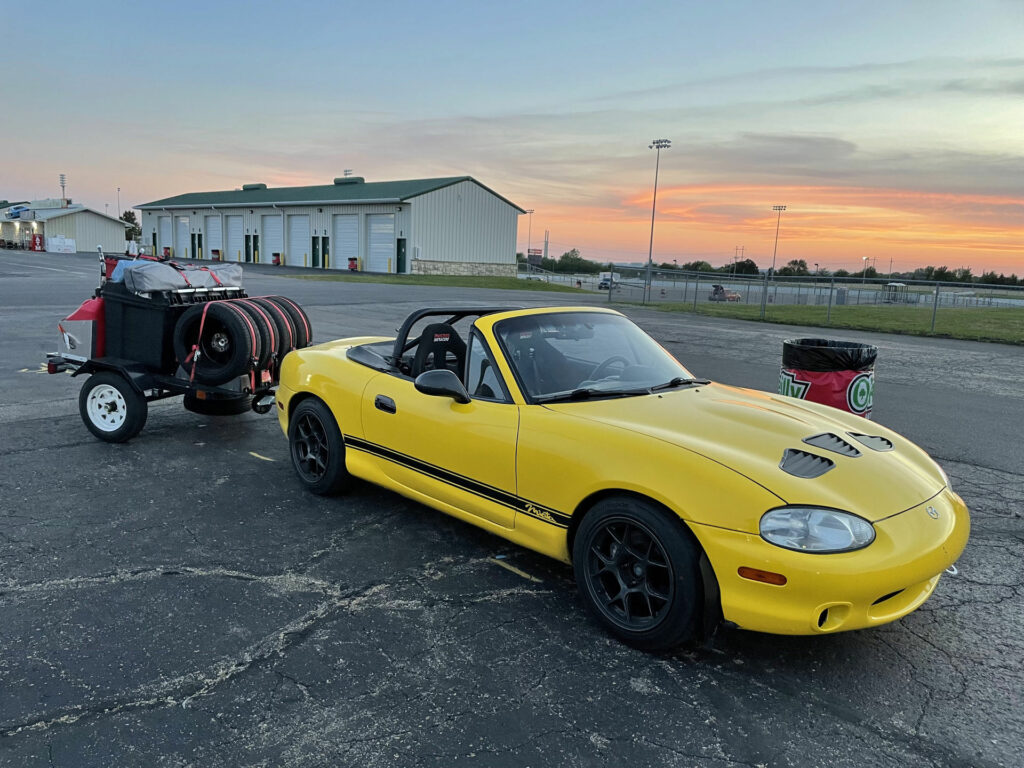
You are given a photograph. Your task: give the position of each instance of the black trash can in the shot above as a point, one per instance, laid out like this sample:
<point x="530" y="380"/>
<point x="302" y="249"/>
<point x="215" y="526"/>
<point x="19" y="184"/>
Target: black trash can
<point x="836" y="373"/>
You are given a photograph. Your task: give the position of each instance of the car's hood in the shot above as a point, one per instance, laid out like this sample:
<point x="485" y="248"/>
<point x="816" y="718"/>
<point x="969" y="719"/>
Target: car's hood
<point x="749" y="431"/>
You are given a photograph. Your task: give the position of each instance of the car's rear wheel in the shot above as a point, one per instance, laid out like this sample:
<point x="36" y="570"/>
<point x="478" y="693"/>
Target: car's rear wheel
<point x="317" y="448"/>
<point x="638" y="571"/>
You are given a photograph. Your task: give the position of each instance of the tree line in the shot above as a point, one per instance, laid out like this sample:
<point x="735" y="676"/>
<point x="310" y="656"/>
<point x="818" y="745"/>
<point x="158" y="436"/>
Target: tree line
<point x="572" y="262"/>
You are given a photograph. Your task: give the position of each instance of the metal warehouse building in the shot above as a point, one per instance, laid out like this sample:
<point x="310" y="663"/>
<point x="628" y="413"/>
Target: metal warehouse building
<point x="63" y="227"/>
<point x="421" y="226"/>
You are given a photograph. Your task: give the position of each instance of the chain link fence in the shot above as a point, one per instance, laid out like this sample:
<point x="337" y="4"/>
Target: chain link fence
<point x="962" y="310"/>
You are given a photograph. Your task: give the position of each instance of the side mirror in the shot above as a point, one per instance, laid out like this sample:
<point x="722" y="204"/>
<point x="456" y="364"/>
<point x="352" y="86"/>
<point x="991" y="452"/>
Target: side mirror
<point x="442" y="383"/>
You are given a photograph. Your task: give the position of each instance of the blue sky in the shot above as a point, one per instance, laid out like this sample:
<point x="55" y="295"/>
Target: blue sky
<point x="891" y="127"/>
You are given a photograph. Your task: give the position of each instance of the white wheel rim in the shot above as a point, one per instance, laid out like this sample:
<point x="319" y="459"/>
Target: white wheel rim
<point x="106" y="408"/>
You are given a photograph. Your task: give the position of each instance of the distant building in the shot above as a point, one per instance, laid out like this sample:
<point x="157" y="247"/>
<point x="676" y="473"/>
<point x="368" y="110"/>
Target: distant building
<point x="421" y="226"/>
<point x="62" y="226"/>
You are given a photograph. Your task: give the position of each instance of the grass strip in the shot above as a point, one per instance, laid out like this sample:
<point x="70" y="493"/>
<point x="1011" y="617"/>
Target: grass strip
<point x="996" y="324"/>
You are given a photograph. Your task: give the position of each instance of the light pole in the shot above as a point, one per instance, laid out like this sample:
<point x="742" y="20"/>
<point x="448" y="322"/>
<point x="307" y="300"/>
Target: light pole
<point x="119" y="202"/>
<point x="657" y="144"/>
<point x="778" y="221"/>
<point x="864" y="274"/>
<point x="529" y="238"/>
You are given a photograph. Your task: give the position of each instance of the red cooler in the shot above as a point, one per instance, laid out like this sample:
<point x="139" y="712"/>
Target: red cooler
<point x="836" y="373"/>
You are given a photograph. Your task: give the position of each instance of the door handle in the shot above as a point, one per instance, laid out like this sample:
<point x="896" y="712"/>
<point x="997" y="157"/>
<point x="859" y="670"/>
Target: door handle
<point x="384" y="403"/>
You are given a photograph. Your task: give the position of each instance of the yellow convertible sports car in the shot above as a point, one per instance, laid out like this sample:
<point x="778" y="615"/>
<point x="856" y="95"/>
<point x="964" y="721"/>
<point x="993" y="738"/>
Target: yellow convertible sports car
<point x="680" y="503"/>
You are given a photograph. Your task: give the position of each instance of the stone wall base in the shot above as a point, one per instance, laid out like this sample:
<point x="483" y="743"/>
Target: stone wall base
<point x="422" y="267"/>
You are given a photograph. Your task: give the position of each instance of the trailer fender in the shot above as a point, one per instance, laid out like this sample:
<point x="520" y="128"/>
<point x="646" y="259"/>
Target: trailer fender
<point x="137" y="376"/>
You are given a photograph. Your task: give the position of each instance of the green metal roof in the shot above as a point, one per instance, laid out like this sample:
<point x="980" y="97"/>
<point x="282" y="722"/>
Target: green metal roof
<point x="351" y="190"/>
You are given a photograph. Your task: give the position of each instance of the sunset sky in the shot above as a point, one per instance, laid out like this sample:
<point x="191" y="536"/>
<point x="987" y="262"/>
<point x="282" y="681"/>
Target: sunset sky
<point x="893" y="130"/>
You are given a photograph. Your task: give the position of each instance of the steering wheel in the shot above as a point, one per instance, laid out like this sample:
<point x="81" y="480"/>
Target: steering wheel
<point x="600" y="372"/>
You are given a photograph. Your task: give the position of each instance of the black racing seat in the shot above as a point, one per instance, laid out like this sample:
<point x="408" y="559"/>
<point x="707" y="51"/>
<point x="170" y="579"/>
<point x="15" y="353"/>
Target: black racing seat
<point x="440" y="346"/>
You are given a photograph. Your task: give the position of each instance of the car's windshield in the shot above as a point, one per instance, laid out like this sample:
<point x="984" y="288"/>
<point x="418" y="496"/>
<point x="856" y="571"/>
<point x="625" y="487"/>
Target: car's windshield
<point x="586" y="353"/>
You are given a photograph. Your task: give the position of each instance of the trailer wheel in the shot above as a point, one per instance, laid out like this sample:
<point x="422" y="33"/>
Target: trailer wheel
<point x="111" y="408"/>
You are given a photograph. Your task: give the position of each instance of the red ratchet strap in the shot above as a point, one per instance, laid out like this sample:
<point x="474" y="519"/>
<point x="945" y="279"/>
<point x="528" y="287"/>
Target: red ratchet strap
<point x="253" y="339"/>
<point x="269" y="323"/>
<point x="193" y="356"/>
<point x="302" y="316"/>
<point x="285" y="323"/>
<point x="212" y="274"/>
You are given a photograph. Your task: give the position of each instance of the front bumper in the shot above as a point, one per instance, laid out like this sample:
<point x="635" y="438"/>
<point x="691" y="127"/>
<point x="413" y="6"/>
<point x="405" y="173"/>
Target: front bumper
<point x="886" y="580"/>
<point x="282" y="398"/>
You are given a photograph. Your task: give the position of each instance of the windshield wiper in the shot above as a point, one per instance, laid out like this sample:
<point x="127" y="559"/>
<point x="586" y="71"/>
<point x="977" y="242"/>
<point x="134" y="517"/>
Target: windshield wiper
<point x="588" y="392"/>
<point x="679" y="381"/>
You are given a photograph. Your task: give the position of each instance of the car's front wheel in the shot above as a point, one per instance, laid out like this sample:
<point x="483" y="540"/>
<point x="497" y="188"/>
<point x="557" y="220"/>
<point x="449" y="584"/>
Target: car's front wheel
<point x="638" y="571"/>
<point x="317" y="448"/>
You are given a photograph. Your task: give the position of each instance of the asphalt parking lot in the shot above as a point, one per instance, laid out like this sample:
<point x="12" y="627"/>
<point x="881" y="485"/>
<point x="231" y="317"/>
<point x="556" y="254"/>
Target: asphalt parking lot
<point x="179" y="601"/>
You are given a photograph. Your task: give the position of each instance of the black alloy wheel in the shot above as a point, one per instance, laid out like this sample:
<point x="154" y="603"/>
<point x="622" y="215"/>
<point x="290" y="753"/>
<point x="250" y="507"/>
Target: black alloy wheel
<point x="630" y="574"/>
<point x="637" y="568"/>
<point x="317" y="448"/>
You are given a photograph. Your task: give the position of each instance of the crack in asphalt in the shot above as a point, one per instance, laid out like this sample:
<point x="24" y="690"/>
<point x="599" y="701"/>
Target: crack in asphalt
<point x="185" y="689"/>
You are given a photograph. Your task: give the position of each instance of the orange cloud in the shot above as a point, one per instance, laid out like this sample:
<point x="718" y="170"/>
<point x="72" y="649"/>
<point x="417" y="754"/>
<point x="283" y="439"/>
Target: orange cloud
<point x="835" y="226"/>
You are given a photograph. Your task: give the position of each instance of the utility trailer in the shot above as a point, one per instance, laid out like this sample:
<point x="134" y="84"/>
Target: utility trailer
<point x="157" y="329"/>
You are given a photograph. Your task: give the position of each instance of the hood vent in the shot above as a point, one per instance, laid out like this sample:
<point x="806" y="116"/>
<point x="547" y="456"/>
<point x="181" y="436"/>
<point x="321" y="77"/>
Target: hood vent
<point x="834" y="443"/>
<point x="874" y="442"/>
<point x="803" y="464"/>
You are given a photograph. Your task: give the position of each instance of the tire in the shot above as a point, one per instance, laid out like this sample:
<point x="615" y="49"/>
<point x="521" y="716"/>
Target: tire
<point x="230" y="341"/>
<point x="111" y="408"/>
<point x="649" y="593"/>
<point x="220" y="406"/>
<point x="285" y="328"/>
<point x="300" y="320"/>
<point x="266" y="328"/>
<point x="317" y="448"/>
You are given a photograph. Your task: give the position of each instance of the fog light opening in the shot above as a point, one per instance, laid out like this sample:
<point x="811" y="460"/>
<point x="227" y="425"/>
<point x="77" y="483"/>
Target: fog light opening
<point x="765" y="577"/>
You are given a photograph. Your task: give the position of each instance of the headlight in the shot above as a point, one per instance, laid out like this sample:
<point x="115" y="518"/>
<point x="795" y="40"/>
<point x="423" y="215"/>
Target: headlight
<point x="815" y="529"/>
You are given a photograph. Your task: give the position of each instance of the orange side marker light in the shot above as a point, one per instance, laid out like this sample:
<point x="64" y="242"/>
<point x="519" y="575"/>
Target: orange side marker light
<point x="765" y="577"/>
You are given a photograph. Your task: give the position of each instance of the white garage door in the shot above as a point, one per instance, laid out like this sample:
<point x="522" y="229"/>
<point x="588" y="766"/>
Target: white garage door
<point x="235" y="240"/>
<point x="298" y="240"/>
<point x="344" y="240"/>
<point x="381" y="251"/>
<point x="165" y="233"/>
<point x="184" y="247"/>
<point x="212" y="241"/>
<point x="273" y="239"/>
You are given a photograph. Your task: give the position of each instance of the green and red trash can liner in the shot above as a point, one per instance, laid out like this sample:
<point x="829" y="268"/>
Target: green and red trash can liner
<point x="836" y="373"/>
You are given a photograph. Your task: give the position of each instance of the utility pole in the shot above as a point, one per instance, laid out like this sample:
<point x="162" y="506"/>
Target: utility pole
<point x="657" y="144"/>
<point x="63" y="182"/>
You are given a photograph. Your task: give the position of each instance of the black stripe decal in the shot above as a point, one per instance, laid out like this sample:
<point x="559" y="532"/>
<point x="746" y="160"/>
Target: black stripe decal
<point x="510" y="500"/>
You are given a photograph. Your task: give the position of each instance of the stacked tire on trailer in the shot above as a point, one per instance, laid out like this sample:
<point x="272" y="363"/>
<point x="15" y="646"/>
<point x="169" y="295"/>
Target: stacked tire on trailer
<point x="219" y="341"/>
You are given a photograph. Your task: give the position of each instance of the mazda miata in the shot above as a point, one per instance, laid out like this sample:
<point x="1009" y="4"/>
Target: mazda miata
<point x="679" y="502"/>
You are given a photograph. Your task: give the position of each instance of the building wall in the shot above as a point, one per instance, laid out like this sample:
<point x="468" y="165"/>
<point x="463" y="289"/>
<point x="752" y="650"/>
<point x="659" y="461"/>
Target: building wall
<point x="423" y="267"/>
<point x="463" y="223"/>
<point x="320" y="224"/>
<point x="88" y="230"/>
